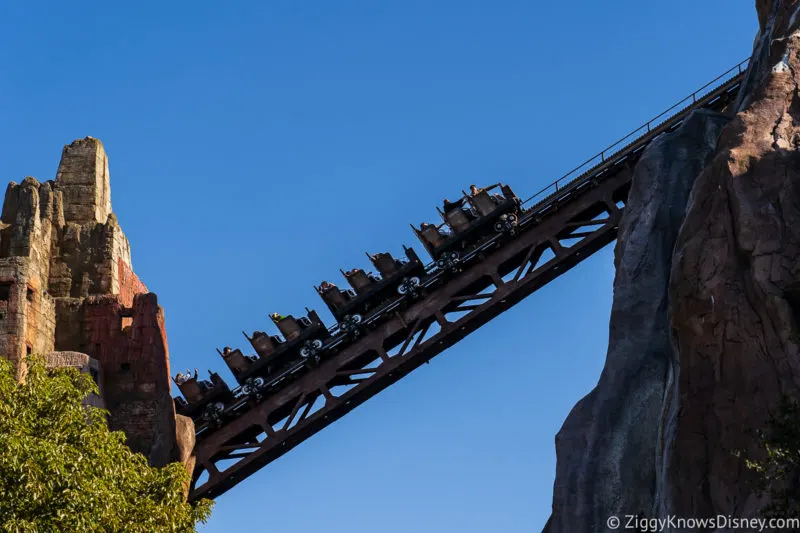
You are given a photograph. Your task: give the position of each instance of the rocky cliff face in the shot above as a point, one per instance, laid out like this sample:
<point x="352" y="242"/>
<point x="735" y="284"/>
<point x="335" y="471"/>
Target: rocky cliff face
<point x="68" y="291"/>
<point x="607" y="444"/>
<point x="735" y="283"/>
<point x="704" y="329"/>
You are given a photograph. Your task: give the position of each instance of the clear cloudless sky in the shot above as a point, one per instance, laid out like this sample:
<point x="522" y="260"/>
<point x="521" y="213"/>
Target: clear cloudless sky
<point x="257" y="147"/>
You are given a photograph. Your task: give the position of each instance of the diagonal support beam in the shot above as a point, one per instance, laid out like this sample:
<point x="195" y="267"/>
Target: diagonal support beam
<point x="470" y="297"/>
<point x="582" y="223"/>
<point x="297" y="407"/>
<point x="536" y="249"/>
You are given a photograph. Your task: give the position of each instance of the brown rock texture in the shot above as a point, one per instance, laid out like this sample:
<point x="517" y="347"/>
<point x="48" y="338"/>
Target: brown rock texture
<point x="68" y="290"/>
<point x="84" y="181"/>
<point x="735" y="285"/>
<point x="185" y="442"/>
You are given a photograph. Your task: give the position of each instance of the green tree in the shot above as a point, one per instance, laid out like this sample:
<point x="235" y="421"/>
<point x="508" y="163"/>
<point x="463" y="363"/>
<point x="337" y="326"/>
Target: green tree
<point x="63" y="470"/>
<point x="779" y="472"/>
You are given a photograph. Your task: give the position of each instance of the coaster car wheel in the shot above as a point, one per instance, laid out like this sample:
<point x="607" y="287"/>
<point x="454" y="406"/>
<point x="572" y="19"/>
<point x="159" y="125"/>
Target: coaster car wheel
<point x="311" y="349"/>
<point x="352" y="325"/>
<point x="448" y="261"/>
<point x="507" y="224"/>
<point x="409" y="286"/>
<point x="213" y="413"/>
<point x="253" y="387"/>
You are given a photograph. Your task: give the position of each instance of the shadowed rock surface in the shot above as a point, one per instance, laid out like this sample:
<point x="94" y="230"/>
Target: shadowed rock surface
<point x="606" y="448"/>
<point x="735" y="286"/>
<point x="704" y="335"/>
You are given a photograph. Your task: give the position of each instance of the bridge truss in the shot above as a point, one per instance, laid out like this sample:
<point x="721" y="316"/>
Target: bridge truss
<point x="567" y="222"/>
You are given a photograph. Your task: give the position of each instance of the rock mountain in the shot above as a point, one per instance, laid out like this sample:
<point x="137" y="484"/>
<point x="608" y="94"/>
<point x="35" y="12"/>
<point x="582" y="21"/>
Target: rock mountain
<point x="704" y="330"/>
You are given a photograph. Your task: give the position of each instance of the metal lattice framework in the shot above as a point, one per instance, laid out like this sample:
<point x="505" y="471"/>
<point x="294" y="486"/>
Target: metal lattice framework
<point x="567" y="225"/>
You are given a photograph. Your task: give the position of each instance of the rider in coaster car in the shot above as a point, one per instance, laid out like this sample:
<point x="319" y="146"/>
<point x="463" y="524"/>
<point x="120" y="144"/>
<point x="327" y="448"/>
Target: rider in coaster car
<point x="180" y="379"/>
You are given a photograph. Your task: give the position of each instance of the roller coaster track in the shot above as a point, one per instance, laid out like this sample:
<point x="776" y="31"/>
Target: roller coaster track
<point x="563" y="224"/>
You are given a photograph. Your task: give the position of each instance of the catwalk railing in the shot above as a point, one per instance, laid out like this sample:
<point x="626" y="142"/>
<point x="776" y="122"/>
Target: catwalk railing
<point x="563" y="224"/>
<point x="645" y="132"/>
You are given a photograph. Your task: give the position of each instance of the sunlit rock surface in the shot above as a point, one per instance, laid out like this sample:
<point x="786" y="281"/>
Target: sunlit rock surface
<point x="68" y="292"/>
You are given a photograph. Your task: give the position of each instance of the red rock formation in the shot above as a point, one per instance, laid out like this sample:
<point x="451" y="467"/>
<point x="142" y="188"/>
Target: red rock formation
<point x="136" y="377"/>
<point x="66" y="284"/>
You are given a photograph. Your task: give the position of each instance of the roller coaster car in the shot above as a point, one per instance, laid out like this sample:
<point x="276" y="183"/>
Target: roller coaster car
<point x="200" y="394"/>
<point x="458" y="215"/>
<point x="471" y="219"/>
<point x="236" y="360"/>
<point x="370" y="292"/>
<point x="360" y="280"/>
<point x="304" y="337"/>
<point x="264" y="344"/>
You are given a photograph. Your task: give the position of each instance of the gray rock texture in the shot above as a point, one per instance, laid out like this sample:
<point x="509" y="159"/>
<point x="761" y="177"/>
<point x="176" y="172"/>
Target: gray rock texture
<point x="705" y="334"/>
<point x="607" y="460"/>
<point x="84" y="364"/>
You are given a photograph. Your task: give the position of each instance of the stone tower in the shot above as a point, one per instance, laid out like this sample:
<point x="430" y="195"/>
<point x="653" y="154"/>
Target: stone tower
<point x="67" y="285"/>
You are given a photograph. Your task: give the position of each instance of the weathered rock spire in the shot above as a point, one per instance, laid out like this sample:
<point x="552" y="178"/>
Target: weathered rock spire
<point x="84" y="181"/>
<point x="67" y="287"/>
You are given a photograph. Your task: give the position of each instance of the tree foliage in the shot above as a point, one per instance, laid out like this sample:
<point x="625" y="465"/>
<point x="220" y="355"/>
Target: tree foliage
<point x="779" y="472"/>
<point x="62" y="469"/>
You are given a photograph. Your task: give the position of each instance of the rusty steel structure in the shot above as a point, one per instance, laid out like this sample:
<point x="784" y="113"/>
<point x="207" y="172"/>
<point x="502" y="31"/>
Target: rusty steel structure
<point x="562" y="225"/>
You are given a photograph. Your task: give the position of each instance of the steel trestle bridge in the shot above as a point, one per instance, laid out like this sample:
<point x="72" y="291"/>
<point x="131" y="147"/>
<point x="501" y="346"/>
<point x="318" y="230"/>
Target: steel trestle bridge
<point x="557" y="228"/>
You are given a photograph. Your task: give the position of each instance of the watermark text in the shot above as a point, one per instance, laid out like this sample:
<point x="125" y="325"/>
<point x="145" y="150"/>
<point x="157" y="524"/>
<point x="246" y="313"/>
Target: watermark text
<point x="672" y="523"/>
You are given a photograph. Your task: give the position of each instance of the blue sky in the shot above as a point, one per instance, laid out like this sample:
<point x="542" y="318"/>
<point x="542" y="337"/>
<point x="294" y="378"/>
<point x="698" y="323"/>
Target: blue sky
<point x="257" y="147"/>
